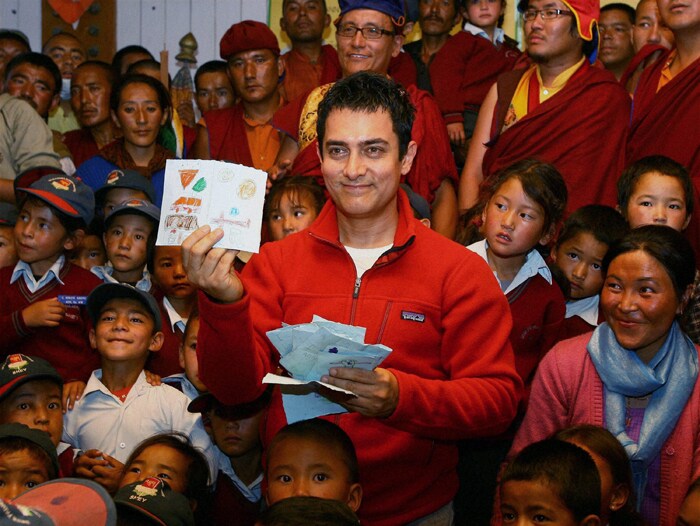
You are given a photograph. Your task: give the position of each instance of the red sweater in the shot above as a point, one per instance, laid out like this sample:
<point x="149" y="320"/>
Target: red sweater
<point x="165" y="362"/>
<point x="66" y="347"/>
<point x="229" y="506"/>
<point x="436" y="304"/>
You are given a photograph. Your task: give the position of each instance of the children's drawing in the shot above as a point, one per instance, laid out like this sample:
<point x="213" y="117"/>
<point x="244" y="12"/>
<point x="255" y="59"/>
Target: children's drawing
<point x="200" y="185"/>
<point x="186" y="177"/>
<point x="246" y="190"/>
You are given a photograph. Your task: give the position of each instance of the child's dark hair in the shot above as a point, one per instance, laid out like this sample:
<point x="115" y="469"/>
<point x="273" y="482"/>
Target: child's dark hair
<point x="121" y="54"/>
<point x="604" y="223"/>
<point x="604" y="444"/>
<point x="567" y="469"/>
<point x="194" y="316"/>
<point x="653" y="163"/>
<point x="294" y="187"/>
<point x="542" y="183"/>
<point x="303" y="511"/>
<point x="15" y="444"/>
<point x="213" y="66"/>
<point x="197" y="472"/>
<point x="71" y="224"/>
<point x="325" y="433"/>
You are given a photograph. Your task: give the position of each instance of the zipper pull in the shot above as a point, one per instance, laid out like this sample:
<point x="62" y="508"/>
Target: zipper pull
<point x="356" y="291"/>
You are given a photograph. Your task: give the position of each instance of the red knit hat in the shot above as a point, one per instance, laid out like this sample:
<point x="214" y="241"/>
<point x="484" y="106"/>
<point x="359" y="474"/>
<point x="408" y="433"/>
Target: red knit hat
<point x="245" y="36"/>
<point x="587" y="13"/>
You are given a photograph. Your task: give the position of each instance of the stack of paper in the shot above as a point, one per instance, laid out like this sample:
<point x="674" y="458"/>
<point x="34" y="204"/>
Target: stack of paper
<point x="308" y="351"/>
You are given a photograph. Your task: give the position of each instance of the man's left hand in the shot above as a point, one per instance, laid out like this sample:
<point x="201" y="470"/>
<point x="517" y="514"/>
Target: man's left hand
<point x="377" y="391"/>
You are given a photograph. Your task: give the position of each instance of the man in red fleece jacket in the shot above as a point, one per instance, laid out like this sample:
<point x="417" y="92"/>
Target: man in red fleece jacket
<point x="368" y="262"/>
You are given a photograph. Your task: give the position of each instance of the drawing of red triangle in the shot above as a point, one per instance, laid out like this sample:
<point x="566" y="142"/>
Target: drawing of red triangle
<point x="187" y="176"/>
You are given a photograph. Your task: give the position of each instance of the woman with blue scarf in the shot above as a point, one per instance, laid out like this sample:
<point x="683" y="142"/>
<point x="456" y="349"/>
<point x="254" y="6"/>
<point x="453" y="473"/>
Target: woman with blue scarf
<point x="636" y="374"/>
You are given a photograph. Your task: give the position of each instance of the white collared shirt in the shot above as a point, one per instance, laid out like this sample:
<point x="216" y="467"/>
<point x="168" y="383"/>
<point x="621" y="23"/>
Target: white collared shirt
<point x="498" y="34"/>
<point x="253" y="492"/>
<point x="25" y="270"/>
<point x="101" y="421"/>
<point x="176" y="321"/>
<point x="104" y="272"/>
<point x="586" y="309"/>
<point x="186" y="387"/>
<point x="534" y="264"/>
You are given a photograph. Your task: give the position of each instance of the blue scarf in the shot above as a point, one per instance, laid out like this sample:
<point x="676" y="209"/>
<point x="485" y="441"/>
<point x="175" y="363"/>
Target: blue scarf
<point x="669" y="378"/>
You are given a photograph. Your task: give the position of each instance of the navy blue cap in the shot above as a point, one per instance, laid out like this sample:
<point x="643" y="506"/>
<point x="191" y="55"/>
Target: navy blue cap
<point x="35" y="436"/>
<point x="8" y="214"/>
<point x="65" y="193"/>
<point x="135" y="206"/>
<point x="109" y="291"/>
<point x="126" y="179"/>
<point x="393" y="8"/>
<point x="418" y="202"/>
<point x="154" y="499"/>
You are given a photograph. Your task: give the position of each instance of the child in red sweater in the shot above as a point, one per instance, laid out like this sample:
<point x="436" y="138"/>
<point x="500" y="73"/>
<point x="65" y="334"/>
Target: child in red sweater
<point x="42" y="313"/>
<point x="579" y="252"/>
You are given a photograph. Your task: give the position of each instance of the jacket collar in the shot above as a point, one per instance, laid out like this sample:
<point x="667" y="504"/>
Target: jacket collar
<point x="326" y="225"/>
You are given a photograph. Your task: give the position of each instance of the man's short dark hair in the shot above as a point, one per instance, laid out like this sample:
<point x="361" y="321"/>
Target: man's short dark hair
<point x="369" y="92"/>
<point x="60" y="34"/>
<point x="323" y="4"/>
<point x="617" y="6"/>
<point x="100" y="64"/>
<point x="37" y="60"/>
<point x="323" y="432"/>
<point x="16" y="36"/>
<point x="567" y="469"/>
<point x="213" y="66"/>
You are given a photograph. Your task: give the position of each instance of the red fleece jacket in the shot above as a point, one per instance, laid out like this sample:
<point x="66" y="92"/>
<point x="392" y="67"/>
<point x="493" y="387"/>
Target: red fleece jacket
<point x="436" y="304"/>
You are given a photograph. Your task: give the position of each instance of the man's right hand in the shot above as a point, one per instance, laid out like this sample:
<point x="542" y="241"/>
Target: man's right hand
<point x="211" y="269"/>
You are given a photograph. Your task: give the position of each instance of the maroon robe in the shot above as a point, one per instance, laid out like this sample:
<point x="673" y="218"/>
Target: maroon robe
<point x="227" y="136"/>
<point x="433" y="162"/>
<point x="581" y="130"/>
<point x="462" y="73"/>
<point x="666" y="123"/>
<point x="296" y="83"/>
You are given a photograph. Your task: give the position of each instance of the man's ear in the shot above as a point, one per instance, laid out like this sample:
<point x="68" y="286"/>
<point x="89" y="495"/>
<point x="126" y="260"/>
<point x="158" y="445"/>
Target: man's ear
<point x="55" y="101"/>
<point x="396" y="48"/>
<point x="618" y="498"/>
<point x="407" y="160"/>
<point x="354" y="497"/>
<point x="156" y="342"/>
<point x="591" y="520"/>
<point x="280" y="68"/>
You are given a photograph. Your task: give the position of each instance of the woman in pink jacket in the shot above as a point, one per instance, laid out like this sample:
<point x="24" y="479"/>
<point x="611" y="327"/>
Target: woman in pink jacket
<point x="635" y="375"/>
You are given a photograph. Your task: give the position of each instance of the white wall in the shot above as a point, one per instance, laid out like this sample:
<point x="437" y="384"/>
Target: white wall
<point x="152" y="23"/>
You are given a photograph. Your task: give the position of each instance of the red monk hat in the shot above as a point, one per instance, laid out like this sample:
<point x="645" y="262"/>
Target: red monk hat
<point x="246" y="36"/>
<point x="586" y="12"/>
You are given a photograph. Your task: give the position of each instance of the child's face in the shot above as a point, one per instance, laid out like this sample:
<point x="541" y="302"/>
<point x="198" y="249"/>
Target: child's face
<point x="40" y="238"/>
<point x="117" y="196"/>
<point x="533" y="502"/>
<point x="188" y="355"/>
<point x="235" y="437"/>
<point x="169" y="273"/>
<point x="304" y="467"/>
<point x="89" y="253"/>
<point x="658" y="199"/>
<point x="581" y="260"/>
<point x="36" y="404"/>
<point x="125" y="331"/>
<point x="484" y="13"/>
<point x="126" y="242"/>
<point x="8" y="253"/>
<point x="292" y="215"/>
<point x="20" y="471"/>
<point x="214" y="91"/>
<point x="690" y="510"/>
<point x="513" y="223"/>
<point x="159" y="461"/>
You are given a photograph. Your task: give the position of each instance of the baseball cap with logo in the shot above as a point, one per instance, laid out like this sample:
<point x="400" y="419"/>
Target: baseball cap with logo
<point x="154" y="499"/>
<point x="18" y="369"/>
<point x="135" y="206"/>
<point x="61" y="502"/>
<point x="130" y="179"/>
<point x="35" y="436"/>
<point x="64" y="193"/>
<point x="110" y="291"/>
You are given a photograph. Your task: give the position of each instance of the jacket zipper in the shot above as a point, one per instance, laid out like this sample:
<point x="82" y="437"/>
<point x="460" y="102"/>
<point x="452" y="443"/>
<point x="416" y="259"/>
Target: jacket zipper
<point x="355" y="295"/>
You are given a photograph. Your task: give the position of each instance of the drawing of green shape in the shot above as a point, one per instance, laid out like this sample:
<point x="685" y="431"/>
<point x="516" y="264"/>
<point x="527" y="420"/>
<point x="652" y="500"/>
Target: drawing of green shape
<point x="200" y="185"/>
